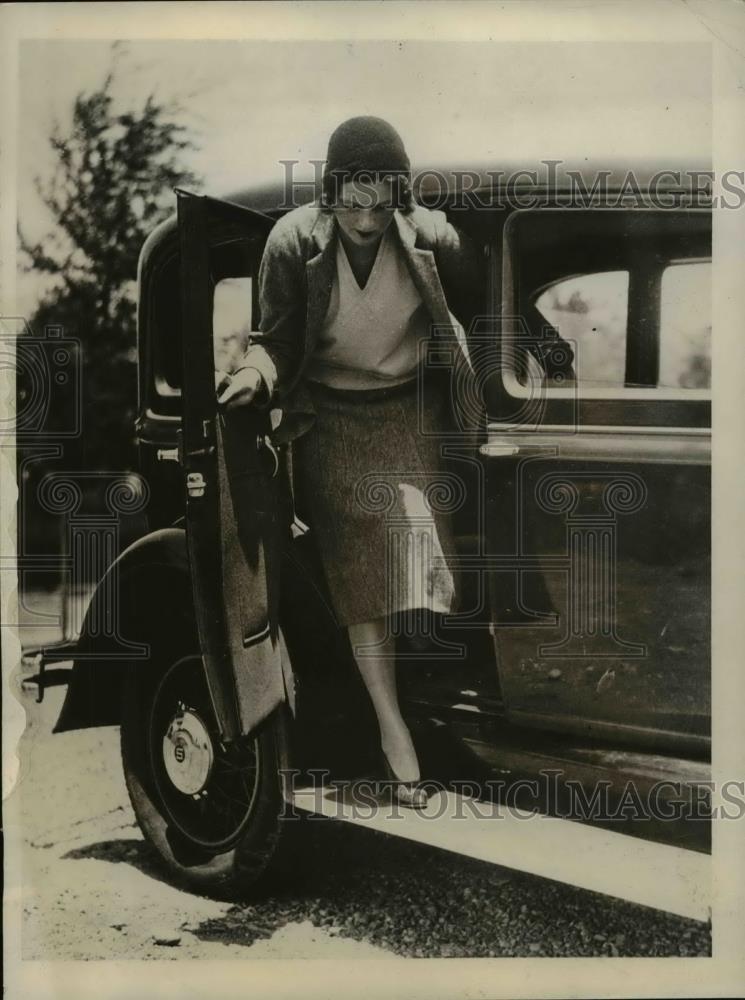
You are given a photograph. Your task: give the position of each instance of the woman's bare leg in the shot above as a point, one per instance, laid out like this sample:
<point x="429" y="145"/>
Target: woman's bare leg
<point x="377" y="666"/>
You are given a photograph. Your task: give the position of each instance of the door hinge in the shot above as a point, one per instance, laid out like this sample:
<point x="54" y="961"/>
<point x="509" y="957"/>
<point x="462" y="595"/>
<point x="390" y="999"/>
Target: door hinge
<point x="195" y="484"/>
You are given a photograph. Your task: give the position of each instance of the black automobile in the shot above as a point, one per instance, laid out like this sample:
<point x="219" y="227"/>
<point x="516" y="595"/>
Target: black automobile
<point x="584" y="536"/>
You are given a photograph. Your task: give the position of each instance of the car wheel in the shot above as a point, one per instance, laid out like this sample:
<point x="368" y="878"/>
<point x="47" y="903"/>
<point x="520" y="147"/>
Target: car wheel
<point x="213" y="812"/>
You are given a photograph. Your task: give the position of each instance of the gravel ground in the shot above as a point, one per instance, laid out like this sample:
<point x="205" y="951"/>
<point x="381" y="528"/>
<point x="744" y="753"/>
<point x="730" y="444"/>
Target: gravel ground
<point x="91" y="887"/>
<point x="418" y="902"/>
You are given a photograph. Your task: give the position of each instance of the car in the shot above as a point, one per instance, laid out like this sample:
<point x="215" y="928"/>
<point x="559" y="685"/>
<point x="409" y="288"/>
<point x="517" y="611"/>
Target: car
<point x="583" y="646"/>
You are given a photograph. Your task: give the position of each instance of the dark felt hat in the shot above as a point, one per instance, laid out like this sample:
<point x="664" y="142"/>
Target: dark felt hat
<point x="366" y="145"/>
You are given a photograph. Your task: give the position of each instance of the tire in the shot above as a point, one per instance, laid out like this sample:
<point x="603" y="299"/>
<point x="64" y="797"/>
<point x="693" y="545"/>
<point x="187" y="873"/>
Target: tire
<point x="222" y="834"/>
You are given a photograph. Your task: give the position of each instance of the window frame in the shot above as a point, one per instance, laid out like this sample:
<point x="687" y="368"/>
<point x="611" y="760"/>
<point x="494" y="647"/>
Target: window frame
<point x="678" y="262"/>
<point x="165" y="397"/>
<point x="642" y="330"/>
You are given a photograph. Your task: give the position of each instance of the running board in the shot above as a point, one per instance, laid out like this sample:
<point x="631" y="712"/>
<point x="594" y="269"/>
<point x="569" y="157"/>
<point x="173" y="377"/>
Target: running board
<point x="666" y="878"/>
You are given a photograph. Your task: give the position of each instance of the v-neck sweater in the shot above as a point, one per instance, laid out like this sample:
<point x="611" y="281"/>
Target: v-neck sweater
<point x="370" y="336"/>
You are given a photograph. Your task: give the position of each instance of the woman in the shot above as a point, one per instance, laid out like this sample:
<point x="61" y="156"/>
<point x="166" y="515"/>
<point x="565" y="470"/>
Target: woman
<point x="352" y="290"/>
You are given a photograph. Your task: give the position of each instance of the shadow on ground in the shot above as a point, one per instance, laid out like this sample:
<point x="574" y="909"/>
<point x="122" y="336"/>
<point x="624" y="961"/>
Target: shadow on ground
<point x="415" y="901"/>
<point x="136" y="853"/>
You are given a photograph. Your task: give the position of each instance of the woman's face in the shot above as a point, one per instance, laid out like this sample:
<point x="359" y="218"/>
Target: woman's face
<point x="365" y="210"/>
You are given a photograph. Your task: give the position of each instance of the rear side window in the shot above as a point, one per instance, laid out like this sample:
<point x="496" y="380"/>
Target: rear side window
<point x="685" y="326"/>
<point x="627" y="292"/>
<point x="591" y="312"/>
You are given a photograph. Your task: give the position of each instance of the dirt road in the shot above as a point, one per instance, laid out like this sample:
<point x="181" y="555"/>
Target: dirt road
<point x="91" y="888"/>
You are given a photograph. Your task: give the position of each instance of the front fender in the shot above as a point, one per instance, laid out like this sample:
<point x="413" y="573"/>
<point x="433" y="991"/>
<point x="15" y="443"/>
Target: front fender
<point x="154" y="601"/>
<point x="139" y="592"/>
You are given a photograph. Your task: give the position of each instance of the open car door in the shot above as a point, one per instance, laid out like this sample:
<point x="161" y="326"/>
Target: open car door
<point x="231" y="480"/>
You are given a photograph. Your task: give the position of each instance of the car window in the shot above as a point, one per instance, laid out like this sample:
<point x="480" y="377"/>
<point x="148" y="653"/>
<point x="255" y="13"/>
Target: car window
<point x="590" y="311"/>
<point x="685" y="326"/>
<point x="234" y="265"/>
<point x="231" y="320"/>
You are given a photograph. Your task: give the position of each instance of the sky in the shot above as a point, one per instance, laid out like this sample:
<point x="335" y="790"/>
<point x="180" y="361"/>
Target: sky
<point x="251" y="103"/>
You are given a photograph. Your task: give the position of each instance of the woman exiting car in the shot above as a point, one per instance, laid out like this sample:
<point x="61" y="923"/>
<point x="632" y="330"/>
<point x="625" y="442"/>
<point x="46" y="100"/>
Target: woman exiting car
<point x="352" y="290"/>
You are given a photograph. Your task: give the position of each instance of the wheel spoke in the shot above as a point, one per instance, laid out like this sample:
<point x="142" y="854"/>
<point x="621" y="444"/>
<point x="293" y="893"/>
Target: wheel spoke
<point x="229" y="768"/>
<point x="226" y="797"/>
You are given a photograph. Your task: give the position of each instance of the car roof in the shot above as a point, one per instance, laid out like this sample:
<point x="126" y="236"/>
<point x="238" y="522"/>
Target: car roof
<point x="496" y="182"/>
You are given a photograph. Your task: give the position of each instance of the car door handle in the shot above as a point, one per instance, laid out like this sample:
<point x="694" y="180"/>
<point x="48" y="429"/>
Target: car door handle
<point x="263" y="441"/>
<point x="494" y="449"/>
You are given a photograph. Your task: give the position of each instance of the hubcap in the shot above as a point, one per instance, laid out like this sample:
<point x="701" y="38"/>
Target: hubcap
<point x="188" y="753"/>
<point x="207" y="789"/>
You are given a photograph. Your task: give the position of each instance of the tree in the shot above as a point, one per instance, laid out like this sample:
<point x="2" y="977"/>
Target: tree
<point x="113" y="183"/>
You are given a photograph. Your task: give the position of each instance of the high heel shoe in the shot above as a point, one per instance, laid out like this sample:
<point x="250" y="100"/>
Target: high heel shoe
<point x="407" y="793"/>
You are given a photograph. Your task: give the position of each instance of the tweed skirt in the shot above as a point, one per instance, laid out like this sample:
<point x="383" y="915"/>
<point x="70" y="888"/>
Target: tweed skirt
<point x="371" y="482"/>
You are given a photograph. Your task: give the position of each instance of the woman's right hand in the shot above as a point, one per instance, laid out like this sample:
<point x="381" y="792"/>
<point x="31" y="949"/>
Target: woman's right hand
<point x="244" y="386"/>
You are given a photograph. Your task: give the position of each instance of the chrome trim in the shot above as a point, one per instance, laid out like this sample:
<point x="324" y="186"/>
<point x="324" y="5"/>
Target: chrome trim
<point x="161" y="418"/>
<point x="633" y="737"/>
<point x="263" y="441"/>
<point x="195" y="485"/>
<point x="652" y="394"/>
<point x="494" y="450"/>
<point x="566" y="430"/>
<point x="256" y="637"/>
<point x="690" y="446"/>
